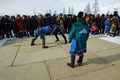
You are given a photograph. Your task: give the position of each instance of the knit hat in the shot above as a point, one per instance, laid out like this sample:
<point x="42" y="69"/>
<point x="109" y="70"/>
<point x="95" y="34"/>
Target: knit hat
<point x="81" y="14"/>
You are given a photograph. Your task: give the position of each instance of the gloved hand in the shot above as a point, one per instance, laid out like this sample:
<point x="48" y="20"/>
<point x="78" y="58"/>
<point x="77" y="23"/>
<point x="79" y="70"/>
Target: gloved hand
<point x="69" y="41"/>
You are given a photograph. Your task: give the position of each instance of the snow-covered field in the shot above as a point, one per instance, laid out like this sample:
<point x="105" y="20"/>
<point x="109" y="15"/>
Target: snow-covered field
<point x="3" y="41"/>
<point x="115" y="39"/>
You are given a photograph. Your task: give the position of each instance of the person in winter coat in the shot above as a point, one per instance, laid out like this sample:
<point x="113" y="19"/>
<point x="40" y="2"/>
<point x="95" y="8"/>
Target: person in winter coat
<point x="78" y="37"/>
<point x="19" y="22"/>
<point x="107" y="26"/>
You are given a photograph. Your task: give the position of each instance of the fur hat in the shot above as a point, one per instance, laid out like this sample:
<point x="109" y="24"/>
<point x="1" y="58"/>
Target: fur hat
<point x="81" y="14"/>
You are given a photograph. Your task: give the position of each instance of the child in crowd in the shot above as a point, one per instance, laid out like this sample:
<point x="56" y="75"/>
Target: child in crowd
<point x="107" y="26"/>
<point x="94" y="29"/>
<point x="113" y="30"/>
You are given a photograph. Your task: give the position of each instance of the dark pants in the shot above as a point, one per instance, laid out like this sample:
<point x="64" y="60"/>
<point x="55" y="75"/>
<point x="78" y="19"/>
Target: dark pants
<point x="61" y="33"/>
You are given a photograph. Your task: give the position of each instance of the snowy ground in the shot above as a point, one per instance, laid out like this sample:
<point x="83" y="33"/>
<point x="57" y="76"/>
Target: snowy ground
<point x="115" y="39"/>
<point x="3" y="41"/>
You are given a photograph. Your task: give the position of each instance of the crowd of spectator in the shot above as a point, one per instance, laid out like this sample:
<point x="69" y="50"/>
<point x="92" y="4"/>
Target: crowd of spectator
<point x="25" y="25"/>
<point x="106" y="24"/>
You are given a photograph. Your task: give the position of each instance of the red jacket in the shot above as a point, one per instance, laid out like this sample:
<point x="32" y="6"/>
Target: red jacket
<point x="20" y="25"/>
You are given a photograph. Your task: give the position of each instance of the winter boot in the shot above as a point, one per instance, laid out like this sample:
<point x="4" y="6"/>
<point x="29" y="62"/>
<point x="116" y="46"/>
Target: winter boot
<point x="80" y="60"/>
<point x="44" y="45"/>
<point x="62" y="34"/>
<point x="32" y="42"/>
<point x="57" y="39"/>
<point x="72" y="61"/>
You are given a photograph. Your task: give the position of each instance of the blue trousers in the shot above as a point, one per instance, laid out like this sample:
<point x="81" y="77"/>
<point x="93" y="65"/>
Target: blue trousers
<point x="40" y="34"/>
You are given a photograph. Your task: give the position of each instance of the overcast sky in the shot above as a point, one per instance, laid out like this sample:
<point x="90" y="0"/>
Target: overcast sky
<point x="28" y="7"/>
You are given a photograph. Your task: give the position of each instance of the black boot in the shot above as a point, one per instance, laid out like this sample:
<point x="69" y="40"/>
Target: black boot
<point x="62" y="34"/>
<point x="57" y="39"/>
<point x="72" y="61"/>
<point x="44" y="45"/>
<point x="32" y="42"/>
<point x="80" y="60"/>
<point x="65" y="40"/>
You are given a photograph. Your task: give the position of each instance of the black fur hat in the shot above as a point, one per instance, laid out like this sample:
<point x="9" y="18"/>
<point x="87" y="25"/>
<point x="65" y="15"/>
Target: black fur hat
<point x="81" y="14"/>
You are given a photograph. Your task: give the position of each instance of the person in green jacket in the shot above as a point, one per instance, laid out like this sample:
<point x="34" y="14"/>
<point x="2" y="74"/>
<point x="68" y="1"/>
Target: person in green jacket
<point x="78" y="37"/>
